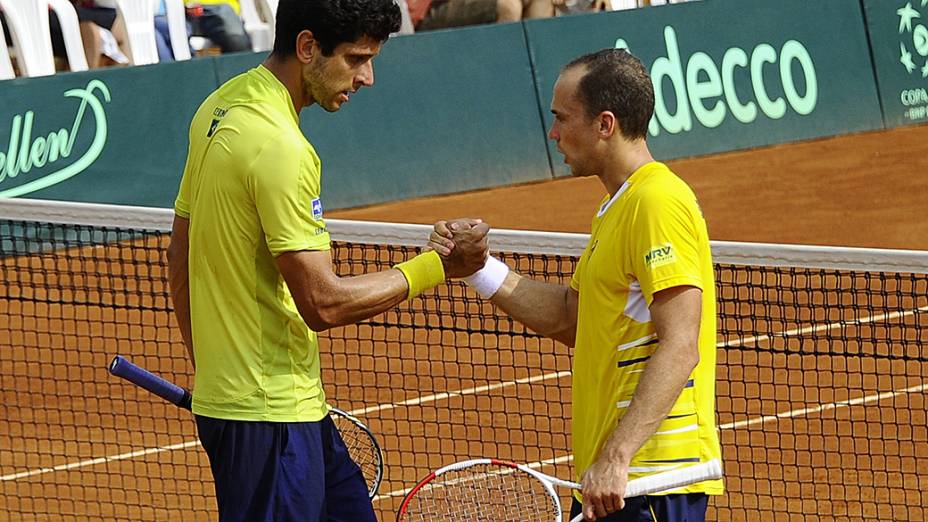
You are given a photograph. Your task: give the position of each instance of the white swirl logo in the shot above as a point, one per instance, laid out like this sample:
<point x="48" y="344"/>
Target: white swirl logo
<point x="909" y="27"/>
<point x="23" y="153"/>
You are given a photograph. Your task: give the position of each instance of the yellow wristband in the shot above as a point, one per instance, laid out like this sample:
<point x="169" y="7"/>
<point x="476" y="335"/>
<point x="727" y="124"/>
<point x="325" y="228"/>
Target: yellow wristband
<point x="422" y="272"/>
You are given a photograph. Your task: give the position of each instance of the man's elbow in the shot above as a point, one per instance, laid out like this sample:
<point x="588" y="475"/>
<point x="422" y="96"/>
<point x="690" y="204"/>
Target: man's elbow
<point x="692" y="355"/>
<point x="321" y="322"/>
<point x="566" y="336"/>
<point x="176" y="253"/>
<point x="321" y="316"/>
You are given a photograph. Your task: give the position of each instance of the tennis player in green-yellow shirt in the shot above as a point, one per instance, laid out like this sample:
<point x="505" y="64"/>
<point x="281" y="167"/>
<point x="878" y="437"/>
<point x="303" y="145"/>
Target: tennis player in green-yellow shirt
<point x="252" y="277"/>
<point x="639" y="309"/>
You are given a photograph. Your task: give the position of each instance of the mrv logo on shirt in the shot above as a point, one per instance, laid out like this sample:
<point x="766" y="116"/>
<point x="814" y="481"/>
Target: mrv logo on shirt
<point x="659" y="256"/>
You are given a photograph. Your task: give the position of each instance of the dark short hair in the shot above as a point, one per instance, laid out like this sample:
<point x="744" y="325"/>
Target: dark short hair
<point x="616" y="81"/>
<point x="334" y="22"/>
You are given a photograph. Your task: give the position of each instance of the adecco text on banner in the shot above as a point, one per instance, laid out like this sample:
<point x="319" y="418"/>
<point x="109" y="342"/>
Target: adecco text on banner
<point x="691" y="91"/>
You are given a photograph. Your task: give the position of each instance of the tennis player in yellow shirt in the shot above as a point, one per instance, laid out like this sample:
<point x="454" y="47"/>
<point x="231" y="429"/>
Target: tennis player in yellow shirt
<point x="639" y="310"/>
<point x="252" y="278"/>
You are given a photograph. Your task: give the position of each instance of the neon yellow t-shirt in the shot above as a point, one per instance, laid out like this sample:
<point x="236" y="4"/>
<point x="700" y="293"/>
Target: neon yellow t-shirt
<point x="649" y="237"/>
<point x="251" y="192"/>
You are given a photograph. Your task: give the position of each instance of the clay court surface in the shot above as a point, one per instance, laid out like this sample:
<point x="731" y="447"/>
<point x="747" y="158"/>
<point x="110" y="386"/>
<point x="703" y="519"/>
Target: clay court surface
<point x="866" y="190"/>
<point x="75" y="444"/>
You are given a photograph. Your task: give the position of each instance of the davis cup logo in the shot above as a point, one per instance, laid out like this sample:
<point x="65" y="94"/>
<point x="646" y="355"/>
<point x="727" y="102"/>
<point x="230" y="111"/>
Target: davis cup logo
<point x="914" y="35"/>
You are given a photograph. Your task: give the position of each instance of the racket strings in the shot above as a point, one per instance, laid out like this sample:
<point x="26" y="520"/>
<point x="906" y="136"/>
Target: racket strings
<point x="485" y="492"/>
<point x="361" y="446"/>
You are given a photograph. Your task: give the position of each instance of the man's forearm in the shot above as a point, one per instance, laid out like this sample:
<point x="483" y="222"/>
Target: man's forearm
<point x="347" y="300"/>
<point x="178" y="278"/>
<point x="546" y="308"/>
<point x="660" y="385"/>
<point x="549" y="309"/>
<point x="180" y="294"/>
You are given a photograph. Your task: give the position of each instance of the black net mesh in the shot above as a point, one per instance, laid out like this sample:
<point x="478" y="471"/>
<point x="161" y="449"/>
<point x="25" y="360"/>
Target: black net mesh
<point x="821" y="384"/>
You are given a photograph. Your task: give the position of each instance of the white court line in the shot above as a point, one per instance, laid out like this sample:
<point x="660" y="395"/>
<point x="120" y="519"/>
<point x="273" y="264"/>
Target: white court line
<point x="101" y="460"/>
<point x="459" y="393"/>
<point x="732" y="425"/>
<point x="821" y="328"/>
<point x="480" y="389"/>
<point x="824" y="407"/>
<point x="356" y="413"/>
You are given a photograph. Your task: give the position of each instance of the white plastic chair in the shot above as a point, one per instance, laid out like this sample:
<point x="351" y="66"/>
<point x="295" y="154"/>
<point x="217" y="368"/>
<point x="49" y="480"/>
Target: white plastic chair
<point x="28" y="24"/>
<point x="260" y="32"/>
<point x="267" y="9"/>
<point x="139" y="16"/>
<point x="619" y="5"/>
<point x="270" y="9"/>
<point x="177" y="27"/>
<point x="405" y="20"/>
<point x="6" y="67"/>
<point x="70" y="33"/>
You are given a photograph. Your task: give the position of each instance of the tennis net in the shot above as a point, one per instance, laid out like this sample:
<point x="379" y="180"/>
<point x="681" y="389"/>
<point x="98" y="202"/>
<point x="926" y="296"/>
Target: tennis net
<point x="821" y="372"/>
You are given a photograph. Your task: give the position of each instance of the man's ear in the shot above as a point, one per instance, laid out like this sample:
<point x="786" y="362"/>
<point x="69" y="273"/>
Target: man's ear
<point x="306" y="46"/>
<point x="608" y="124"/>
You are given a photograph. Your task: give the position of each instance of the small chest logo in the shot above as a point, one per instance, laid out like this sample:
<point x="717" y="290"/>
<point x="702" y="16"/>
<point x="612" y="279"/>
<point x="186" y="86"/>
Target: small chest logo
<point x="317" y="208"/>
<point x="218" y="114"/>
<point x="660" y="256"/>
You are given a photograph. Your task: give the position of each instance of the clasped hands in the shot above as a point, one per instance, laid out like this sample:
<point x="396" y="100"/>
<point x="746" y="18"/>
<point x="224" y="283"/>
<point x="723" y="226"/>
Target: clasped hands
<point x="462" y="245"/>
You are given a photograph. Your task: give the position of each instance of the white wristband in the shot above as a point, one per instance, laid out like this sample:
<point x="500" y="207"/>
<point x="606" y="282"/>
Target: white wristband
<point x="488" y="279"/>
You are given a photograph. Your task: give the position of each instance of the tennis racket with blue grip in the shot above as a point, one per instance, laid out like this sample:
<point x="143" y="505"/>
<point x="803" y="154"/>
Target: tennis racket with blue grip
<point x="360" y="440"/>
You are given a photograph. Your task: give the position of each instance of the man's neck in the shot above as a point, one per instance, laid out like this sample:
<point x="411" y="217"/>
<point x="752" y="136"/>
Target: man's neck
<point x="287" y="71"/>
<point x="623" y="161"/>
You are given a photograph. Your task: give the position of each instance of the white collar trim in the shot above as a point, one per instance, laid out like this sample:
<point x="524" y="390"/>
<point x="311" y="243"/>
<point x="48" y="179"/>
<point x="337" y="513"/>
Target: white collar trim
<point x="606" y="205"/>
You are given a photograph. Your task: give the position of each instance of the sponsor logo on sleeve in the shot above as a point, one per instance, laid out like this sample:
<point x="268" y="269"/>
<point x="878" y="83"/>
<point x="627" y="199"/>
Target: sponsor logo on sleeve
<point x="660" y="256"/>
<point x="317" y="208"/>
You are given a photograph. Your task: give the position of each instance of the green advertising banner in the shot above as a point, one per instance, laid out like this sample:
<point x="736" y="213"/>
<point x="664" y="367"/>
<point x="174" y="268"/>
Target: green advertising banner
<point x="899" y="40"/>
<point x="730" y="74"/>
<point x="438" y="120"/>
<point x="107" y="136"/>
<point x="450" y="111"/>
<point x="232" y="65"/>
<point x="467" y="109"/>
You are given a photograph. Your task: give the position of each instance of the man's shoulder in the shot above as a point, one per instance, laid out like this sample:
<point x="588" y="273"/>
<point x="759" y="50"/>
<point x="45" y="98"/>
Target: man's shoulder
<point x="246" y="94"/>
<point x="663" y="186"/>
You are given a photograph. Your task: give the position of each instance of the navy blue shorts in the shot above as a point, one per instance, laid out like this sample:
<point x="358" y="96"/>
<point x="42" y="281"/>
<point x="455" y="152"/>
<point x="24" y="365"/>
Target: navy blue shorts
<point x="277" y="471"/>
<point x="690" y="507"/>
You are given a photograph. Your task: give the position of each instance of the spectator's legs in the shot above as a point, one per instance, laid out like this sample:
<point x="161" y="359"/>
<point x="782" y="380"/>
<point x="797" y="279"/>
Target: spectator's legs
<point x="458" y="13"/>
<point x="90" y="37"/>
<point x="537" y="8"/>
<point x="121" y="35"/>
<point x="508" y="11"/>
<point x="163" y="39"/>
<point x="220" y="24"/>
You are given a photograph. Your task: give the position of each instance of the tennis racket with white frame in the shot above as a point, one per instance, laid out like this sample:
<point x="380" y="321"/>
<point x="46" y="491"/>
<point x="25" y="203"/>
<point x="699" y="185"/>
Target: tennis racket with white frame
<point x="490" y="489"/>
<point x="360" y="440"/>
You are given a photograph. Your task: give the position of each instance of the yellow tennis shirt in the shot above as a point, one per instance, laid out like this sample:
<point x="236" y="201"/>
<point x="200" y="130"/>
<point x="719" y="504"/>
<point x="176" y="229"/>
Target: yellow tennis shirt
<point x="251" y="192"/>
<point x="649" y="237"/>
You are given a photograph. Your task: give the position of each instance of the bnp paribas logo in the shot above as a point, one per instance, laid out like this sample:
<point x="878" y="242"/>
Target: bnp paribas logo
<point x="40" y="157"/>
<point x="914" y="36"/>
